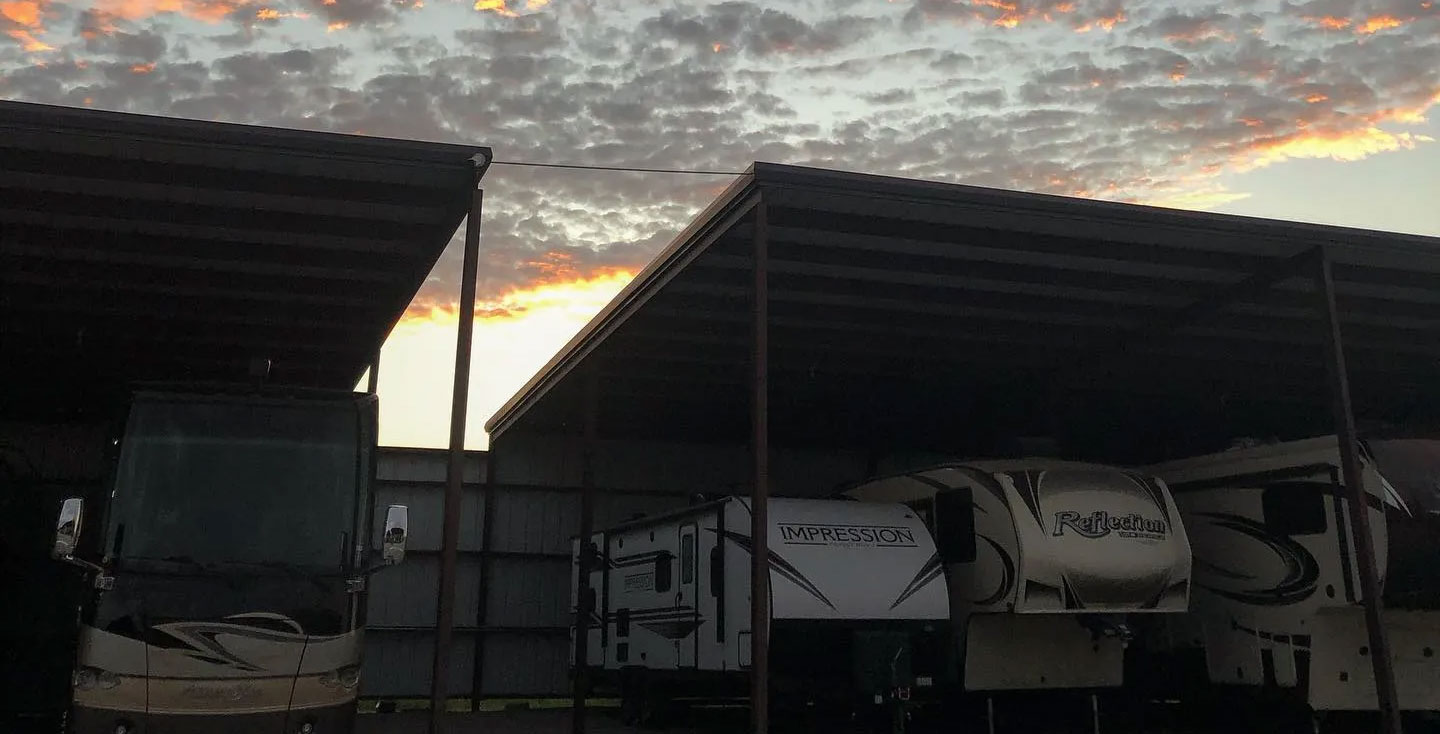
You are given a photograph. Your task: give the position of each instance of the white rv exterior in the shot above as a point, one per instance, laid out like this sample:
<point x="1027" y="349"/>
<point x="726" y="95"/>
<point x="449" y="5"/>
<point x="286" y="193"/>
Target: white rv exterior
<point x="1278" y="602"/>
<point x="847" y="580"/>
<point x="1044" y="558"/>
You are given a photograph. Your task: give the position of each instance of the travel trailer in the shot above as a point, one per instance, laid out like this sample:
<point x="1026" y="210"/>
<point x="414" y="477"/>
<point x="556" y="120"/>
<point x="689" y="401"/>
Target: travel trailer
<point x="1048" y="562"/>
<point x="858" y="605"/>
<point x="1277" y="604"/>
<point x="228" y="586"/>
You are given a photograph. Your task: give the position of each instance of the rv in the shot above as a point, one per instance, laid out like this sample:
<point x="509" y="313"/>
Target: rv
<point x="1277" y="605"/>
<point x="228" y="583"/>
<point x="858" y="606"/>
<point x="1048" y="562"/>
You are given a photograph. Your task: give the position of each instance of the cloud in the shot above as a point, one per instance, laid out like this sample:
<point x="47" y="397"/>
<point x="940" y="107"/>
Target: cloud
<point x="1157" y="110"/>
<point x="1206" y="26"/>
<point x="1079" y="15"/>
<point x="752" y="29"/>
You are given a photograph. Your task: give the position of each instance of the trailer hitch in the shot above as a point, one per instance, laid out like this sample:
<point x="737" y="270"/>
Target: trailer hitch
<point x="1107" y="625"/>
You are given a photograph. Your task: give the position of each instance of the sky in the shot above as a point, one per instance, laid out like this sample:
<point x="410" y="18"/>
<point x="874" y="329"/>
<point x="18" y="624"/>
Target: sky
<point x="1318" y="110"/>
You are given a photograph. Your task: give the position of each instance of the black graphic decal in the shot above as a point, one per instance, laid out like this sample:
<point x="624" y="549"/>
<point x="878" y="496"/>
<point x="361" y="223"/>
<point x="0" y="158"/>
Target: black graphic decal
<point x="639" y="559"/>
<point x="779" y="565"/>
<point x="675" y="629"/>
<point x="1299" y="641"/>
<point x="927" y="573"/>
<point x="1301" y="570"/>
<point x="1072" y="600"/>
<point x="1152" y="490"/>
<point x="199" y="639"/>
<point x="1027" y="483"/>
<point x="1007" y="583"/>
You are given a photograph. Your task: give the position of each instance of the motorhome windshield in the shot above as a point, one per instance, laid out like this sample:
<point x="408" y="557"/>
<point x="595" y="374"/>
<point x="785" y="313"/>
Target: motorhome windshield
<point x="213" y="482"/>
<point x="1412" y="466"/>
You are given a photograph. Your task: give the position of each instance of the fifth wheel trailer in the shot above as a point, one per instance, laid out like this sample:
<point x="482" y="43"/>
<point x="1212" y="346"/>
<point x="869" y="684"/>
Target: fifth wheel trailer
<point x="1048" y="562"/>
<point x="1277" y="606"/>
<point x="858" y="604"/>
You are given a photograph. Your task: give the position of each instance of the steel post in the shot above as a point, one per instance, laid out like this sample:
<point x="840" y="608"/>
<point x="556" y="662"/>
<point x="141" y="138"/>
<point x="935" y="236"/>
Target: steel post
<point x="482" y="608"/>
<point x="760" y="493"/>
<point x="455" y="470"/>
<point x="1356" y="497"/>
<point x="374" y="384"/>
<point x="583" y="608"/>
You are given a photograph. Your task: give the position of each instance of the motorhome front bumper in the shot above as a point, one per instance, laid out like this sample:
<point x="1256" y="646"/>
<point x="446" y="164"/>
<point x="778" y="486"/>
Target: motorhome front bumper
<point x="327" y="720"/>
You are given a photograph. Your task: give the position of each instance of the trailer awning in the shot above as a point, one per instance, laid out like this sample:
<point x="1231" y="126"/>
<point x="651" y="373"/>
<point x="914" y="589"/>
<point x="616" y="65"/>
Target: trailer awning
<point x="904" y="311"/>
<point x="145" y="248"/>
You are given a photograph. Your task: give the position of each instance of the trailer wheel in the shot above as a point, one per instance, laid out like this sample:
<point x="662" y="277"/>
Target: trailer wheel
<point x="643" y="702"/>
<point x="631" y="698"/>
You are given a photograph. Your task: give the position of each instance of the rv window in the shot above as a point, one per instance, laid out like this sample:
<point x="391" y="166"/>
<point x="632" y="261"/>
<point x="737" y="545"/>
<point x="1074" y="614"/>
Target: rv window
<point x="662" y="572"/>
<point x="1295" y="508"/>
<point x="687" y="559"/>
<point x="955" y="526"/>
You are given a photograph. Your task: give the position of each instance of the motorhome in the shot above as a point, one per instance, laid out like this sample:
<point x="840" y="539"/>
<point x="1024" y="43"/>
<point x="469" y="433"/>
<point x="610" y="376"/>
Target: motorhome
<point x="1048" y="562"/>
<point x="228" y="583"/>
<point x="1277" y="603"/>
<point x="858" y="605"/>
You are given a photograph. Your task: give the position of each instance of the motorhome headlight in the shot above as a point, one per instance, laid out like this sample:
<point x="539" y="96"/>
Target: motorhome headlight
<point x="307" y="728"/>
<point x="85" y="679"/>
<point x="346" y="677"/>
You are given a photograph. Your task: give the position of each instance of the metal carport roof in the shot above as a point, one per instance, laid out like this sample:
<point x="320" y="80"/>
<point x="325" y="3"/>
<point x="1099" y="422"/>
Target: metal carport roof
<point x="145" y="248"/>
<point x="929" y="314"/>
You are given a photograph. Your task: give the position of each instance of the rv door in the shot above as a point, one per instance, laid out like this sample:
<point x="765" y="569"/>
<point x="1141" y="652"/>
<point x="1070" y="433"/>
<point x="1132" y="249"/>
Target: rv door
<point x="687" y="599"/>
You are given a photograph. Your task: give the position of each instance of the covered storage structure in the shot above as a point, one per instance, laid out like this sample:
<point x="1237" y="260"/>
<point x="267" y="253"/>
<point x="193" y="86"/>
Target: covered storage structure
<point x="842" y="325"/>
<point x="137" y="248"/>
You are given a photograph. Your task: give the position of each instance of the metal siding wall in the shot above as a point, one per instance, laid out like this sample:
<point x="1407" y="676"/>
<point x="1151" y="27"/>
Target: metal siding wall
<point x="526" y="664"/>
<point x="399" y="636"/>
<point x="398" y="663"/>
<point x="407" y="598"/>
<point x="537" y="508"/>
<point x="529" y="592"/>
<point x="680" y="469"/>
<point x="534" y="521"/>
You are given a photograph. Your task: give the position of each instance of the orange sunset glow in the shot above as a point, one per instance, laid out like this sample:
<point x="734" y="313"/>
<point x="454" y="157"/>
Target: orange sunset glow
<point x="207" y="11"/>
<point x="1349" y="145"/>
<point x="502" y="7"/>
<point x="29" y="15"/>
<point x="1107" y="23"/>
<point x="1379" y="23"/>
<point x="516" y="333"/>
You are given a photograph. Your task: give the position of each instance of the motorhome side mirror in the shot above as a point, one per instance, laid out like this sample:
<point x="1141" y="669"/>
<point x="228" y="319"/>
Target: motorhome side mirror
<point x="397" y="530"/>
<point x="67" y="528"/>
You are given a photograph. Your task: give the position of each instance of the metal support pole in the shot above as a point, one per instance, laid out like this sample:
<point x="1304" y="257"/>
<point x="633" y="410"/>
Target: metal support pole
<point x="374" y="374"/>
<point x="760" y="494"/>
<point x="455" y="470"/>
<point x="1356" y="497"/>
<point x="583" y="608"/>
<point x="482" y="608"/>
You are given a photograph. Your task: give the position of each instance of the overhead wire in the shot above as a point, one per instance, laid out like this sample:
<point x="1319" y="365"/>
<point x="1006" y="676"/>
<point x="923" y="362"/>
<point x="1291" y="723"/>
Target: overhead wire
<point x="625" y="169"/>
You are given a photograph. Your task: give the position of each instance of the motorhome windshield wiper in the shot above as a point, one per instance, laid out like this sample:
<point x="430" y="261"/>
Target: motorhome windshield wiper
<point x="186" y="561"/>
<point x="292" y="570"/>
